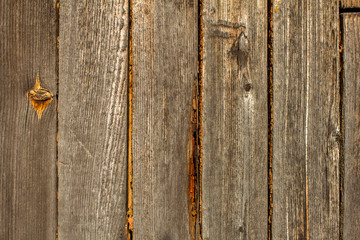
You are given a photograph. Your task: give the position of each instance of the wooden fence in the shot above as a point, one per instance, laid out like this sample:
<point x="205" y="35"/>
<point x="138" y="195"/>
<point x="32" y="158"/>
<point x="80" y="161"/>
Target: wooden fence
<point x="180" y="119"/>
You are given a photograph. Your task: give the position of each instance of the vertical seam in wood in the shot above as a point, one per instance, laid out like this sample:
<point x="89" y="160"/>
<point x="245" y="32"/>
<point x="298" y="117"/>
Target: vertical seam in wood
<point x="129" y="214"/>
<point x="341" y="117"/>
<point x="307" y="89"/>
<point x="196" y="132"/>
<point x="57" y="112"/>
<point x="193" y="183"/>
<point x="200" y="114"/>
<point x="270" y="112"/>
<point x="195" y="146"/>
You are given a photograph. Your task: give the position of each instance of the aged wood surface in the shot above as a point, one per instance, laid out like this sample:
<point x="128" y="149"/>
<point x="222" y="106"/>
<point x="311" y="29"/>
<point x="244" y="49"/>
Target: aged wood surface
<point x="27" y="156"/>
<point x="93" y="119"/>
<point x="306" y="120"/>
<point x="235" y="120"/>
<point x="350" y="3"/>
<point x="164" y="69"/>
<point x="351" y="116"/>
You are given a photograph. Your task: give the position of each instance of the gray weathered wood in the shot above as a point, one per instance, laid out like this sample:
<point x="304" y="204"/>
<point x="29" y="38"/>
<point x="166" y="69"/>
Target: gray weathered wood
<point x="235" y="120"/>
<point x="351" y="116"/>
<point x="27" y="156"/>
<point x="350" y="3"/>
<point x="93" y="119"/>
<point x="164" y="69"/>
<point x="306" y="120"/>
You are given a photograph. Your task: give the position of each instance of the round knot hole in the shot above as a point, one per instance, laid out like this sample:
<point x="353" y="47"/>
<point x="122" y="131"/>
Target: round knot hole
<point x="247" y="87"/>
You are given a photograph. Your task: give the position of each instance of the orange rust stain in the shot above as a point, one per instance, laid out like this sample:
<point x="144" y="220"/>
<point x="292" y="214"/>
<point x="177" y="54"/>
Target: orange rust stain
<point x="39" y="97"/>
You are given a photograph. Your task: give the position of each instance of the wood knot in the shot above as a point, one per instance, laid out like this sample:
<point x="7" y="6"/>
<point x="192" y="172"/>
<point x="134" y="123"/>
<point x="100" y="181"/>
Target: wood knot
<point x="240" y="49"/>
<point x="247" y="87"/>
<point x="39" y="97"/>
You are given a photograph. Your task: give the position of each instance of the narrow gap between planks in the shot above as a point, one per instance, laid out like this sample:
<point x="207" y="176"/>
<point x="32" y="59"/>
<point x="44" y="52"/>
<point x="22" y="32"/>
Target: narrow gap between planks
<point x="129" y="203"/>
<point x="341" y="118"/>
<point x="196" y="131"/>
<point x="199" y="142"/>
<point x="270" y="112"/>
<point x="57" y="111"/>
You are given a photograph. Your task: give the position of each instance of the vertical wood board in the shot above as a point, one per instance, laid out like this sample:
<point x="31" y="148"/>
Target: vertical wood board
<point x="306" y="126"/>
<point x="28" y="156"/>
<point x="350" y="3"/>
<point x="93" y="117"/>
<point x="163" y="72"/>
<point x="235" y="120"/>
<point x="351" y="117"/>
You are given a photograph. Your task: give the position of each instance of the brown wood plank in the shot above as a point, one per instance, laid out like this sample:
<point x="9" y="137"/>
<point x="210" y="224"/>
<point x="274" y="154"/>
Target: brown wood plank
<point x="350" y="3"/>
<point x="306" y="120"/>
<point x="93" y="119"/>
<point x="235" y="120"/>
<point x="351" y="116"/>
<point x="28" y="156"/>
<point x="164" y="68"/>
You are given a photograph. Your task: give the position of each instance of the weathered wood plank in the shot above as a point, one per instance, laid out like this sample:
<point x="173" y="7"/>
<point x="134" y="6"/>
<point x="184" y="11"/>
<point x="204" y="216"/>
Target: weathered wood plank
<point x="93" y="119"/>
<point x="350" y="3"/>
<point x="28" y="156"/>
<point x="164" y="68"/>
<point x="351" y="114"/>
<point x="306" y="120"/>
<point x="235" y="120"/>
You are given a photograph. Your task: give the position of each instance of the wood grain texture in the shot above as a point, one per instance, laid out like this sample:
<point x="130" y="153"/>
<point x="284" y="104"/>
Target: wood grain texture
<point x="235" y="120"/>
<point x="93" y="119"/>
<point x="306" y="120"/>
<point x="351" y="116"/>
<point x="164" y="68"/>
<point x="28" y="156"/>
<point x="350" y="3"/>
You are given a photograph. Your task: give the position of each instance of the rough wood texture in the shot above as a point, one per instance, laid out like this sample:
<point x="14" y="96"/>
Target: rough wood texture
<point x="351" y="116"/>
<point x="306" y="120"/>
<point x="350" y="3"/>
<point x="93" y="119"/>
<point x="235" y="120"/>
<point x="164" y="69"/>
<point x="28" y="156"/>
